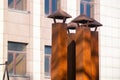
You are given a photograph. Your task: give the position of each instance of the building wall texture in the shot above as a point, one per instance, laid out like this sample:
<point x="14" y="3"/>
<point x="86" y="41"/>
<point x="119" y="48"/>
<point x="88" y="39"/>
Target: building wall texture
<point x="1" y="32"/>
<point x="110" y="40"/>
<point x="33" y="27"/>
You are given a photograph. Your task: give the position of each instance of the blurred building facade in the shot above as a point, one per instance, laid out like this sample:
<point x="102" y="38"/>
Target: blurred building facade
<point x="25" y="35"/>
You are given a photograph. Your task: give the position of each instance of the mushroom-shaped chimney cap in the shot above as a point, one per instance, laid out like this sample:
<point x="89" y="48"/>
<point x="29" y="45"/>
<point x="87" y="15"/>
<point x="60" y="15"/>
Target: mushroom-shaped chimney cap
<point x="59" y="14"/>
<point x="72" y="25"/>
<point x="94" y="24"/>
<point x="82" y="19"/>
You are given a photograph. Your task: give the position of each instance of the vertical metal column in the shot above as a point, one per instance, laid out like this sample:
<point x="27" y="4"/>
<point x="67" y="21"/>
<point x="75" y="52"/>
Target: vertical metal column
<point x="83" y="48"/>
<point x="95" y="55"/>
<point x="71" y="51"/>
<point x="83" y="53"/>
<point x="59" y="46"/>
<point x="95" y="50"/>
<point x="59" y="52"/>
<point x="74" y="56"/>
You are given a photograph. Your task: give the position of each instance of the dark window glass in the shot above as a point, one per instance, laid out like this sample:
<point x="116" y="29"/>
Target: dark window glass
<point x="47" y="60"/>
<point x="10" y="3"/>
<point x="17" y="4"/>
<point x="47" y="49"/>
<point x="51" y="6"/>
<point x="16" y="46"/>
<point x="46" y="6"/>
<point x="10" y="61"/>
<point x="46" y="64"/>
<point x="81" y="8"/>
<point x="85" y="5"/>
<point x="86" y="0"/>
<point x="54" y="5"/>
<point x="88" y="10"/>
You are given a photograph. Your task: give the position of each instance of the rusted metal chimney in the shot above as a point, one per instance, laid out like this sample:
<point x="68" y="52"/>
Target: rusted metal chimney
<point x="59" y="59"/>
<point x="87" y="59"/>
<point x="74" y="56"/>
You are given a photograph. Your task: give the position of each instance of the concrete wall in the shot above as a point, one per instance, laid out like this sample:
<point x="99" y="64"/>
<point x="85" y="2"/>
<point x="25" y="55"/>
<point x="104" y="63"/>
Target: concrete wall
<point x="110" y="40"/>
<point x="36" y="40"/>
<point x="23" y="26"/>
<point x="1" y="35"/>
<point x="18" y="28"/>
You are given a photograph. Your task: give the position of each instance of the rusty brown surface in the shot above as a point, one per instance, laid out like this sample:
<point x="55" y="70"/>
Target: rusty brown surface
<point x="71" y="56"/>
<point x="59" y="52"/>
<point x="83" y="54"/>
<point x="74" y="56"/>
<point x="95" y="55"/>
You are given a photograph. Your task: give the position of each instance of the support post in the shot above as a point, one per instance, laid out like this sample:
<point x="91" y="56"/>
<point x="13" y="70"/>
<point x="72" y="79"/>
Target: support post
<point x="83" y="53"/>
<point x="95" y="55"/>
<point x="59" y="52"/>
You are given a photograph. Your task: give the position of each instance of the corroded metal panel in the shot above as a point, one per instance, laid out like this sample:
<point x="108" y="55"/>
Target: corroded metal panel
<point x="74" y="56"/>
<point x="71" y="56"/>
<point x="59" y="52"/>
<point x="83" y="54"/>
<point x="95" y="55"/>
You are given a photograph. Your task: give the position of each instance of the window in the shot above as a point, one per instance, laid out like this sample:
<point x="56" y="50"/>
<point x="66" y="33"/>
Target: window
<point x="16" y="58"/>
<point x="51" y="6"/>
<point x="47" y="60"/>
<point x="85" y="7"/>
<point x="17" y="4"/>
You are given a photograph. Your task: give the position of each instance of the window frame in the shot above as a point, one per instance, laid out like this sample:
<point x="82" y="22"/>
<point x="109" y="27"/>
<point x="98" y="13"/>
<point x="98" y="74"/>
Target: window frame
<point x="50" y="6"/>
<point x="47" y="74"/>
<point x="86" y="5"/>
<point x="14" y="54"/>
<point x="48" y="55"/>
<point x="14" y="5"/>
